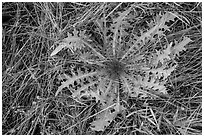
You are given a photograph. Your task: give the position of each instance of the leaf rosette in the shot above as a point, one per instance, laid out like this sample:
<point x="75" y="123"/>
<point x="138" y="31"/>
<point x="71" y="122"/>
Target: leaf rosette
<point x="136" y="64"/>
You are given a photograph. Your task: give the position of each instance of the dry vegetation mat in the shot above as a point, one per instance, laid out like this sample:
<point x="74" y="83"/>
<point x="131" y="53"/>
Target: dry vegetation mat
<point x="101" y="68"/>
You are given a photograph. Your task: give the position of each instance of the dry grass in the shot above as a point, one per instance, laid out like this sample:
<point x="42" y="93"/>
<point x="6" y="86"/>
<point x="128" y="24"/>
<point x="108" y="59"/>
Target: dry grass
<point x="29" y="74"/>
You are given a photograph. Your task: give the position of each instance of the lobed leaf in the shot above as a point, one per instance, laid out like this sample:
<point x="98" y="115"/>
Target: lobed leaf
<point x="76" y="78"/>
<point x="181" y="46"/>
<point x="71" y="42"/>
<point x="158" y="29"/>
<point x="109" y="112"/>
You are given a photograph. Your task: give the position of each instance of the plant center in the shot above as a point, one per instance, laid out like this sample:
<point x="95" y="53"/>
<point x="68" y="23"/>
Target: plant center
<point x="114" y="69"/>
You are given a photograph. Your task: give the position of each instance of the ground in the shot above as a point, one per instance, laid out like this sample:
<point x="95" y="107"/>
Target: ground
<point x="32" y="73"/>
